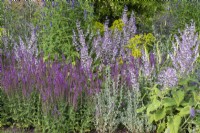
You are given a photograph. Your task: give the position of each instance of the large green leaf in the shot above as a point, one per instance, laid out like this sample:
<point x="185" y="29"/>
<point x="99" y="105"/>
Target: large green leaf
<point x="160" y="114"/>
<point x="178" y="96"/>
<point x="184" y="111"/>
<point x="154" y="106"/>
<point x="173" y="124"/>
<point x="168" y="102"/>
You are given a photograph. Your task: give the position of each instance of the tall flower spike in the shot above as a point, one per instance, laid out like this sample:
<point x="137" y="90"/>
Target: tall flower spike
<point x="124" y="15"/>
<point x="147" y="68"/>
<point x="86" y="60"/>
<point x="185" y="50"/>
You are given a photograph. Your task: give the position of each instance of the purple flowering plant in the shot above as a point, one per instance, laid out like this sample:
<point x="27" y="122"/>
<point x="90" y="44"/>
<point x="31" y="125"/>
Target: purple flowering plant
<point x="62" y="88"/>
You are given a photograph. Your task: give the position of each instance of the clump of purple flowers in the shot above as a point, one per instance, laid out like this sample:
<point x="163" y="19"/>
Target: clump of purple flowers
<point x="54" y="81"/>
<point x="168" y="78"/>
<point x="109" y="47"/>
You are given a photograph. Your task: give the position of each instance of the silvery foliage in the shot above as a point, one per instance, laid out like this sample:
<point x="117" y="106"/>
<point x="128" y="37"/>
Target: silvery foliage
<point x="110" y="46"/>
<point x="133" y="121"/>
<point x="185" y="50"/>
<point x="168" y="78"/>
<point x="108" y="102"/>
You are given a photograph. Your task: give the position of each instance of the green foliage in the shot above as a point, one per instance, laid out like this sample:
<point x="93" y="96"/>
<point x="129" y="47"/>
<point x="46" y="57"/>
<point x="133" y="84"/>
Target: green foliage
<point x="1" y="13"/>
<point x="176" y="16"/>
<point x="17" y="18"/>
<point x="170" y="109"/>
<point x="21" y="112"/>
<point x="145" y="10"/>
<point x="4" y="116"/>
<point x="139" y="42"/>
<point x="57" y="24"/>
<point x="63" y="117"/>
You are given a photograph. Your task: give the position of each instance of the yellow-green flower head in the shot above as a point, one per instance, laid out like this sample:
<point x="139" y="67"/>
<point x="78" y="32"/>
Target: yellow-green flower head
<point x="98" y="26"/>
<point x="118" y="24"/>
<point x="140" y="41"/>
<point x="136" y="53"/>
<point x="148" y="39"/>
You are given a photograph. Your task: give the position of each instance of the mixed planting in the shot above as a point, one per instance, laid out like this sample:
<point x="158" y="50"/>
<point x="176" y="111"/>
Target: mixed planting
<point x="64" y="70"/>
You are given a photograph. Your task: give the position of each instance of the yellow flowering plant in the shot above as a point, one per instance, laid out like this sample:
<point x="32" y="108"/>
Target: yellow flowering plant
<point x="98" y="26"/>
<point x="140" y="41"/>
<point x="117" y="24"/>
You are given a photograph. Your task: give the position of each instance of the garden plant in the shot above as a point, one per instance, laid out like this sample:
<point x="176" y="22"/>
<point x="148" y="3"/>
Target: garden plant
<point x="67" y="68"/>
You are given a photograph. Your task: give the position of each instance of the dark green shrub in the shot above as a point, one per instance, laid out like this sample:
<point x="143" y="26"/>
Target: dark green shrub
<point x="177" y="14"/>
<point x="144" y="10"/>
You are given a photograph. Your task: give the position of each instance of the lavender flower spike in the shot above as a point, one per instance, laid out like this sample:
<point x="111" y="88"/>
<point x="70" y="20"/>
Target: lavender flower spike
<point x="86" y="60"/>
<point x="185" y="50"/>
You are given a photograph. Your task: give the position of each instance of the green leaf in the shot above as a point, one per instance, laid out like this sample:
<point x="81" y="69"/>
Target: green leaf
<point x="140" y="110"/>
<point x="178" y="96"/>
<point x="161" y="127"/>
<point x="168" y="102"/>
<point x="151" y="118"/>
<point x="196" y="97"/>
<point x="174" y="123"/>
<point x="154" y="106"/>
<point x="160" y="114"/>
<point x="184" y="111"/>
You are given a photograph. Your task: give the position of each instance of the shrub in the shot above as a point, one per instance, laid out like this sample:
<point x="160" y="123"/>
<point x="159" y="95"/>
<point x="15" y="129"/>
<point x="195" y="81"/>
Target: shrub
<point x="176" y="15"/>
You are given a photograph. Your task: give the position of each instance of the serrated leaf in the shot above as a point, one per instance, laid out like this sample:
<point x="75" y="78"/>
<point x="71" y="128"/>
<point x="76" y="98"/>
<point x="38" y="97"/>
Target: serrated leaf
<point x="159" y="114"/>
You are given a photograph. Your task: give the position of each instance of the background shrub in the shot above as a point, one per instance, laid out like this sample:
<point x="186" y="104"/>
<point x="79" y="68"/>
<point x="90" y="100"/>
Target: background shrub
<point x="176" y="15"/>
<point x="144" y="10"/>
